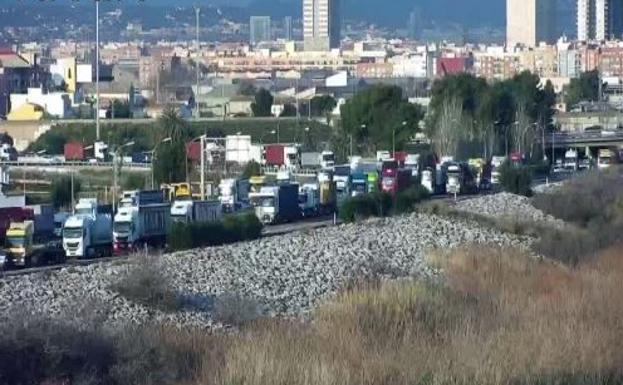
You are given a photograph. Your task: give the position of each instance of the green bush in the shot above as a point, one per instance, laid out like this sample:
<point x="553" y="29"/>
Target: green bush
<point x="406" y="201"/>
<point x="516" y="179"/>
<point x="381" y="204"/>
<point x="233" y="228"/>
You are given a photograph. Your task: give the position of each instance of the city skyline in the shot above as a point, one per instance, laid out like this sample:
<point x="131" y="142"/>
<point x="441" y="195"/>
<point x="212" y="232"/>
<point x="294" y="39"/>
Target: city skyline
<point x="321" y="24"/>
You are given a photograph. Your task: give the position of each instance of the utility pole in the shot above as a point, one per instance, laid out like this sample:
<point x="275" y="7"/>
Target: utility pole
<point x="203" y="163"/>
<point x="97" y="70"/>
<point x="197" y="11"/>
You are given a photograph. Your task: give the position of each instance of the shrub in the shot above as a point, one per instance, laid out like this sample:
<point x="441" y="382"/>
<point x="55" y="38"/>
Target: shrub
<point x="516" y="179"/>
<point x="232" y="228"/>
<point x="147" y="284"/>
<point x="365" y="206"/>
<point x="583" y="199"/>
<point x="235" y="310"/>
<point x="405" y="201"/>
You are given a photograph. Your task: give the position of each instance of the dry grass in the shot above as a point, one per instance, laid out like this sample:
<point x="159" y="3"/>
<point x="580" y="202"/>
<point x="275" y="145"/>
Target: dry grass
<point x="502" y="319"/>
<point x="499" y="318"/>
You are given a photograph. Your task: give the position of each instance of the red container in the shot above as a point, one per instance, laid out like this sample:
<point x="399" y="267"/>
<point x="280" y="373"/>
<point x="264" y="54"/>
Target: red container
<point x="274" y="155"/>
<point x="74" y="151"/>
<point x="400" y="156"/>
<point x="193" y="151"/>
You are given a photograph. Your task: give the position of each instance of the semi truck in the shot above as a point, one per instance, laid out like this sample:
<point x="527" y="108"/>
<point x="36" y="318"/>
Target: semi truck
<point x="327" y="192"/>
<point x="460" y="179"/>
<point x="142" y="219"/>
<point x="359" y="184"/>
<point x="605" y="159"/>
<point x="571" y="160"/>
<point x="257" y="182"/>
<point x="88" y="233"/>
<point x="309" y="200"/>
<point x="277" y="204"/>
<point x="189" y="211"/>
<point x="342" y="178"/>
<point x="327" y="160"/>
<point x="234" y="194"/>
<point x="26" y="246"/>
<point x="399" y="181"/>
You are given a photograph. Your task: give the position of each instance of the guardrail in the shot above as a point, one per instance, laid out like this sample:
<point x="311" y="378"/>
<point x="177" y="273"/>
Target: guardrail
<point x="296" y="171"/>
<point x="73" y="164"/>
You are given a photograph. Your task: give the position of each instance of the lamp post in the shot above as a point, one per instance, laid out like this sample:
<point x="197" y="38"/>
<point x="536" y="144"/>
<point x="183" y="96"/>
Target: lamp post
<point x="153" y="158"/>
<point x="115" y="170"/>
<point x="197" y="11"/>
<point x="97" y="69"/>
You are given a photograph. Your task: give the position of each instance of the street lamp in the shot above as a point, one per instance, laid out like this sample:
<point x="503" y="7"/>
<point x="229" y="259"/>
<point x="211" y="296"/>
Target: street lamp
<point x="153" y="158"/>
<point x="114" y="171"/>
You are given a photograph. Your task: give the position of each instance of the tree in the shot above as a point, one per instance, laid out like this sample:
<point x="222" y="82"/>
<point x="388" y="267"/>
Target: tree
<point x="373" y="116"/>
<point x="170" y="157"/>
<point x="263" y="103"/>
<point x="322" y="105"/>
<point x="119" y="110"/>
<point x="251" y="169"/>
<point x="289" y="110"/>
<point x="60" y="191"/>
<point x="584" y="88"/>
<point x="448" y="131"/>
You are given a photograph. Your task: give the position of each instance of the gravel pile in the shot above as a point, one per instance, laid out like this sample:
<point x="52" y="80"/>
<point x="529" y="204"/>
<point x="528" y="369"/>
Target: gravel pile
<point x="284" y="275"/>
<point x="506" y="205"/>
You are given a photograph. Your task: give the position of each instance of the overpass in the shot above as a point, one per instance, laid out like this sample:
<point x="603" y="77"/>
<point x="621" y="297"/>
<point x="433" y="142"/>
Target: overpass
<point x="587" y="139"/>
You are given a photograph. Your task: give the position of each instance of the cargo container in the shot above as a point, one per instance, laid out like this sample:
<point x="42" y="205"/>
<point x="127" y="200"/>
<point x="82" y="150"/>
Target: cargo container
<point x="274" y="155"/>
<point x="310" y="159"/>
<point x="193" y="151"/>
<point x="74" y="151"/>
<point x="188" y="211"/>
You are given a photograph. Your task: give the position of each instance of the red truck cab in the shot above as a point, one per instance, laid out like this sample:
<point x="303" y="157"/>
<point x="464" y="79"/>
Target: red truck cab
<point x="397" y="183"/>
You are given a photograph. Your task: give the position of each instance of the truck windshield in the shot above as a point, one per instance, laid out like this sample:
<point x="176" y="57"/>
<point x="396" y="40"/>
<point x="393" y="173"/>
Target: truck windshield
<point x="328" y="158"/>
<point x="388" y="182"/>
<point x="83" y="211"/>
<point x="122" y="227"/>
<point x="359" y="187"/>
<point x="342" y="171"/>
<point x="15" y="241"/>
<point x="267" y="202"/>
<point x="72" y="232"/>
<point x="178" y="218"/>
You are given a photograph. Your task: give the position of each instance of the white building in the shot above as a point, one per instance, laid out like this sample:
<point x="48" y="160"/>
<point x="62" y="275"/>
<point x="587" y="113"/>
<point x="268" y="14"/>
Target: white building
<point x="599" y="19"/>
<point x="530" y="22"/>
<point x="321" y="24"/>
<point x="56" y="104"/>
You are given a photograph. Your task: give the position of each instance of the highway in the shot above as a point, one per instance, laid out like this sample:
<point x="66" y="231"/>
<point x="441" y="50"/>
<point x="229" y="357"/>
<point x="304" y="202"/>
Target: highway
<point x="268" y="231"/>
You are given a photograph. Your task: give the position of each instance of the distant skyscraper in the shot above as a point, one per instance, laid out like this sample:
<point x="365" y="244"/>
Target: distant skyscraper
<point x="259" y="27"/>
<point x="529" y="22"/>
<point x="321" y="24"/>
<point x="600" y="19"/>
<point x="287" y="28"/>
<point x="414" y="25"/>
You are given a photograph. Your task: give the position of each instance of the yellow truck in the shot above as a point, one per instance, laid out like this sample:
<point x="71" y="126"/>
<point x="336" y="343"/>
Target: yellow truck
<point x="22" y="250"/>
